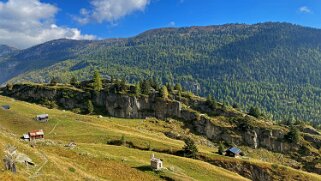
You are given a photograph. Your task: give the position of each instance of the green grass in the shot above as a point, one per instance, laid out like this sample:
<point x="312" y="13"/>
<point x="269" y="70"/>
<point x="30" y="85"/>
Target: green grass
<point x="93" y="159"/>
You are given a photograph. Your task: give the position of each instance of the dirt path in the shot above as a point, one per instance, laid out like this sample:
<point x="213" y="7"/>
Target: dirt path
<point x="53" y="129"/>
<point x="44" y="157"/>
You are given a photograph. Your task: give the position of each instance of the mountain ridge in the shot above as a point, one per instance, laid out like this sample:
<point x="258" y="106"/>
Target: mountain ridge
<point x="281" y="57"/>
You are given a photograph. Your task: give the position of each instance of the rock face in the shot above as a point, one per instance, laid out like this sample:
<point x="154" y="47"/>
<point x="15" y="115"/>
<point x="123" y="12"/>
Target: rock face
<point x="258" y="137"/>
<point x="126" y="106"/>
<point x="65" y="98"/>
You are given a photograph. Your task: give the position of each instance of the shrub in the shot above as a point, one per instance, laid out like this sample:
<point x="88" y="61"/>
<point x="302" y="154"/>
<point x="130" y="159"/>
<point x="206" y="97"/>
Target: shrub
<point x="51" y="104"/>
<point x="71" y="169"/>
<point x="244" y="124"/>
<point x="76" y="110"/>
<point x="149" y="146"/>
<point x="123" y="140"/>
<point x="74" y="81"/>
<point x="54" y="81"/>
<point x="235" y="106"/>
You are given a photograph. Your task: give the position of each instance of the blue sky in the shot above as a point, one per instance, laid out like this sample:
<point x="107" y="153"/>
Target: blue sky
<point x="97" y="19"/>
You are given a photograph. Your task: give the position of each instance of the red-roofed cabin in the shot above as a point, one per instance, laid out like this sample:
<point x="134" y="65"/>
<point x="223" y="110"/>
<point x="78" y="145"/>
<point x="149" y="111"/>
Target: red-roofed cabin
<point x="36" y="134"/>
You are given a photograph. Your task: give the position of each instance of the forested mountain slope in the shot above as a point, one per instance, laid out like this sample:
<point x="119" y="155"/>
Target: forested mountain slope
<point x="276" y="66"/>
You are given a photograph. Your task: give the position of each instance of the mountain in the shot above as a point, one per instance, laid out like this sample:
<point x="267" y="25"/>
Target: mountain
<point x="275" y="66"/>
<point x="5" y="50"/>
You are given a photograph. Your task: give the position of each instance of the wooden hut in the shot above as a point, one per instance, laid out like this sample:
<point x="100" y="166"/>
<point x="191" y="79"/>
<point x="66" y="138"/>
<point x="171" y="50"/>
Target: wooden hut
<point x="233" y="152"/>
<point x="36" y="134"/>
<point x="42" y="117"/>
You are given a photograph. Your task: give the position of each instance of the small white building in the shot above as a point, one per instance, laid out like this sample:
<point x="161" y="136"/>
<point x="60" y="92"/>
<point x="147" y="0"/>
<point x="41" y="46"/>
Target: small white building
<point x="156" y="163"/>
<point x="42" y="117"/>
<point x="26" y="137"/>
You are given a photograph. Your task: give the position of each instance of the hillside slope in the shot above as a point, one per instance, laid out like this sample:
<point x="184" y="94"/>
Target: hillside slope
<point x="275" y="66"/>
<point x="93" y="159"/>
<point x="297" y="146"/>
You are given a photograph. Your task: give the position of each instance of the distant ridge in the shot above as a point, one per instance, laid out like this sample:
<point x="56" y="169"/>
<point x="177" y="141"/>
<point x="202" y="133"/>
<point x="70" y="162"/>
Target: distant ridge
<point x="5" y="50"/>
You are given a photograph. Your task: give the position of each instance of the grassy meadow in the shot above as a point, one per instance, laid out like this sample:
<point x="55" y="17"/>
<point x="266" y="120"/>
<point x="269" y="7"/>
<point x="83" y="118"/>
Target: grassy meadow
<point x="94" y="159"/>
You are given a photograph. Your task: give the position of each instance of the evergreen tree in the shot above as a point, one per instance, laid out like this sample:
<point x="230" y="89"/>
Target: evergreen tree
<point x="211" y="102"/>
<point x="178" y="87"/>
<point x="146" y="87"/>
<point x="221" y="148"/>
<point x="255" y="112"/>
<point x="137" y="89"/>
<point x="123" y="86"/>
<point x="164" y="92"/>
<point x="293" y="136"/>
<point x="90" y="107"/>
<point x="54" y="81"/>
<point x="98" y="85"/>
<point x="169" y="87"/>
<point x="190" y="149"/>
<point x="74" y="81"/>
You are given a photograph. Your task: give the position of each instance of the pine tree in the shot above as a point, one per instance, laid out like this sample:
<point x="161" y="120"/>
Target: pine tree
<point x="90" y="107"/>
<point x="293" y="136"/>
<point x="211" y="101"/>
<point x="122" y="85"/>
<point x="74" y="81"/>
<point x="221" y="148"/>
<point x="98" y="85"/>
<point x="137" y="89"/>
<point x="178" y="87"/>
<point x="255" y="112"/>
<point x="190" y="149"/>
<point x="54" y="81"/>
<point x="164" y="92"/>
<point x="146" y="87"/>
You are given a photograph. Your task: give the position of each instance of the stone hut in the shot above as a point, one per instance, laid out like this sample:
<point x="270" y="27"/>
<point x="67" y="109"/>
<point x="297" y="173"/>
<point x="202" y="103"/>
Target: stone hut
<point x="156" y="163"/>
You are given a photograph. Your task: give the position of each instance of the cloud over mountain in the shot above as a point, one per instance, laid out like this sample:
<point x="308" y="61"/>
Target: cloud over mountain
<point x="110" y="10"/>
<point x="24" y="23"/>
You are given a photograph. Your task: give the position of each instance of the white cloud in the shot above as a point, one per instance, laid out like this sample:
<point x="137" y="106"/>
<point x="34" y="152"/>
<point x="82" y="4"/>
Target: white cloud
<point x="25" y="23"/>
<point x="305" y="9"/>
<point x="172" y="23"/>
<point x="110" y="10"/>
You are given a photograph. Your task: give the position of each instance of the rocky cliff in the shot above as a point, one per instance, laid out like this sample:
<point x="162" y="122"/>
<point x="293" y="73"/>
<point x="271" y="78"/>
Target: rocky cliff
<point x="129" y="106"/>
